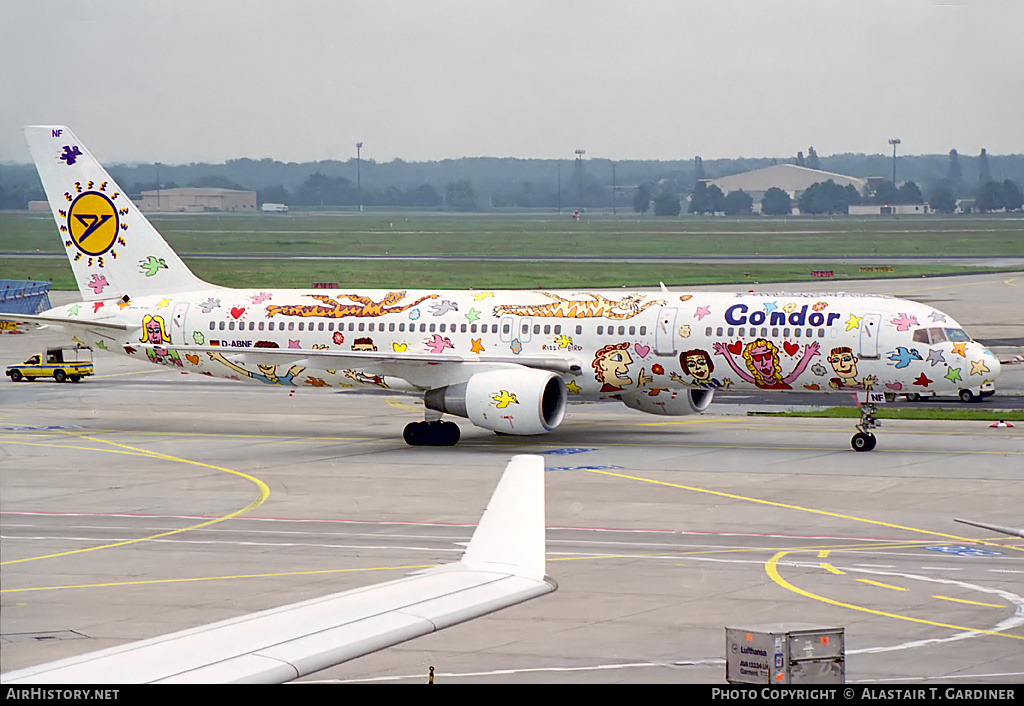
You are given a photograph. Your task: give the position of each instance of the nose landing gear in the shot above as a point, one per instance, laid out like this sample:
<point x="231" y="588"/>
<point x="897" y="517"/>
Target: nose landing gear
<point x="864" y="440"/>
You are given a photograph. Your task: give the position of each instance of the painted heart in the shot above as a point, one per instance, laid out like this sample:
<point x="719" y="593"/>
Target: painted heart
<point x="894" y="385"/>
<point x="237" y="311"/>
<point x="790" y="348"/>
<point x="641" y="350"/>
<point x="194" y="359"/>
<point x="735" y="348"/>
<point x="399" y="347"/>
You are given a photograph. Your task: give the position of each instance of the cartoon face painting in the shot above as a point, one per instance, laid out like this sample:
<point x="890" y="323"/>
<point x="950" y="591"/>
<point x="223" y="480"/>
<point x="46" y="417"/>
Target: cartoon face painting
<point x="764" y="368"/>
<point x="698" y="364"/>
<point x="611" y="366"/>
<point x="844" y="363"/>
<point x="154" y="331"/>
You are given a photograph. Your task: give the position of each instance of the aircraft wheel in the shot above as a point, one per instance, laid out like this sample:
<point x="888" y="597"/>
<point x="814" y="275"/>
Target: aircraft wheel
<point x="967" y="396"/>
<point x="862" y="441"/>
<point x="913" y="397"/>
<point x="15" y="375"/>
<point x="60" y="376"/>
<point x="432" y="434"/>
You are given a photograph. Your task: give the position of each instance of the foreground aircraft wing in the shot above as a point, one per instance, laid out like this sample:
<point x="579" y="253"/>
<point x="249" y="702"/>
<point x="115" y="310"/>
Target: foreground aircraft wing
<point x="503" y="565"/>
<point x="1013" y="532"/>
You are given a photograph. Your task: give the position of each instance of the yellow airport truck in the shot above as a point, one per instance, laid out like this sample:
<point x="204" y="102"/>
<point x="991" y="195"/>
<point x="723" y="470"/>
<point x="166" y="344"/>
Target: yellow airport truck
<point x="62" y="363"/>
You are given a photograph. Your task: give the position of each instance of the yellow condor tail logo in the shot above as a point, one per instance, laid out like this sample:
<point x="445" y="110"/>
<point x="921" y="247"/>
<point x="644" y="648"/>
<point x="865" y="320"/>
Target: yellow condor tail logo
<point x="503" y="399"/>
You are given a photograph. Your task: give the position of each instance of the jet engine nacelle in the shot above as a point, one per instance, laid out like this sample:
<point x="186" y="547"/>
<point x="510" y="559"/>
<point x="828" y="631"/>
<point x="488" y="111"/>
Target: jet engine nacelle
<point x="671" y="403"/>
<point x="514" y="401"/>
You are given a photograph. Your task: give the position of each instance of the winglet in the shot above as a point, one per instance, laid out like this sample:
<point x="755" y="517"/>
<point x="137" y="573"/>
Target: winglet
<point x="510" y="535"/>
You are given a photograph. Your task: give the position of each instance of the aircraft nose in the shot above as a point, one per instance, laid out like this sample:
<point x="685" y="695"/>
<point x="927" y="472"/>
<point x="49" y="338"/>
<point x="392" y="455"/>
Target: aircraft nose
<point x="992" y="363"/>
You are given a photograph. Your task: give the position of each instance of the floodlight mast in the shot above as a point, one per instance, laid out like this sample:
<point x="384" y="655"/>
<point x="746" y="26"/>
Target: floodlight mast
<point x="894" y="141"/>
<point x="359" y="174"/>
<point x="579" y="174"/>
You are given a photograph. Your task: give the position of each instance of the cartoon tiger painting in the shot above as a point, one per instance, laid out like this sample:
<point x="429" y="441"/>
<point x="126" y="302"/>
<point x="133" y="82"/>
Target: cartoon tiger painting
<point x="625" y="308"/>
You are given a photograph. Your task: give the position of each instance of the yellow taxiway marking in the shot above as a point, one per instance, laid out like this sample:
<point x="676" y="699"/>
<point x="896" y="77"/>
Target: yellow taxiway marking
<point x="823" y="553"/>
<point x="787" y="506"/>
<point x="832" y="569"/>
<point x="772" y="569"/>
<point x="883" y="585"/>
<point x="221" y="578"/>
<point x="961" y="600"/>
<point x="264" y="493"/>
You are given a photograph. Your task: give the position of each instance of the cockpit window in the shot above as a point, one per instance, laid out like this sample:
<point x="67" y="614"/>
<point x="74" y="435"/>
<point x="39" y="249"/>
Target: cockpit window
<point x="936" y="335"/>
<point x="956" y="335"/>
<point x="921" y="335"/>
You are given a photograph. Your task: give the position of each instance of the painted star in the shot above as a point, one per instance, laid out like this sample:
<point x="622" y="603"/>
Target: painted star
<point x="293" y="344"/>
<point x="935" y="357"/>
<point x="573" y="388"/>
<point x="563" y="341"/>
<point x="78" y="340"/>
<point x="937" y="316"/>
<point x="702" y="311"/>
<point x="164" y="303"/>
<point x="96" y="306"/>
<point x="472" y="315"/>
<point x="73" y="310"/>
<point x="960" y="349"/>
<point x="480" y="296"/>
<point x="922" y="380"/>
<point x="124" y="304"/>
<point x="953" y="375"/>
<point x="978" y="367"/>
<point x="853" y="323"/>
<point x="769" y="307"/>
<point x="477" y="347"/>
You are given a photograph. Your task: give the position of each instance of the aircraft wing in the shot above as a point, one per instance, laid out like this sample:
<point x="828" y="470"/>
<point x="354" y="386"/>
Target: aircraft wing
<point x="503" y="565"/>
<point x="354" y="359"/>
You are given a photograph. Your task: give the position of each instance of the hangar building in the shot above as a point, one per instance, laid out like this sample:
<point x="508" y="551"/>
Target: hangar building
<point x="198" y="200"/>
<point x="791" y="178"/>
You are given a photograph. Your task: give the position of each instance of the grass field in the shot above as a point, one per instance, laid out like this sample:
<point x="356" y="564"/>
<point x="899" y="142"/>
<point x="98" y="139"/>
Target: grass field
<point x="824" y="240"/>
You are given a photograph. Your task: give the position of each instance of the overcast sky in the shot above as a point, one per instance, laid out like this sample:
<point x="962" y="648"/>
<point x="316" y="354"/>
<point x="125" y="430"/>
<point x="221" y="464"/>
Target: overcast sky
<point x="297" y="80"/>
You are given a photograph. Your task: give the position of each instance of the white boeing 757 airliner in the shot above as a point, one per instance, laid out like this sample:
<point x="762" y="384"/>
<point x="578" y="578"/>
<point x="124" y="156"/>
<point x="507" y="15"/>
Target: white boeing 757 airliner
<point x="508" y="361"/>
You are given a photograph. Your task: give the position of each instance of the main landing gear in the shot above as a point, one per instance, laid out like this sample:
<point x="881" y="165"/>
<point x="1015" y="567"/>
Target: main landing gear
<point x="433" y="433"/>
<point x="864" y="440"/>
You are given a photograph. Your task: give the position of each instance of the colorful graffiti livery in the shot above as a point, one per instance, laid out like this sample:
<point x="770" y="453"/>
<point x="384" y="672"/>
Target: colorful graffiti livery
<point x="507" y="361"/>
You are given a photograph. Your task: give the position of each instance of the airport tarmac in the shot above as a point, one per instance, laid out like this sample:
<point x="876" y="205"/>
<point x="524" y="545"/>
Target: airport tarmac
<point x="140" y="502"/>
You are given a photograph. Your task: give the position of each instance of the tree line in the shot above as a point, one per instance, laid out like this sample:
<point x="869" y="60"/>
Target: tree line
<point x="467" y="184"/>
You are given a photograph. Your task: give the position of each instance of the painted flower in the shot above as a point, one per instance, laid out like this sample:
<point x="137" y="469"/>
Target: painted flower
<point x="818" y="306"/>
<point x="657" y="369"/>
<point x="516" y="346"/>
<point x="818" y="369"/>
<point x="339" y="338"/>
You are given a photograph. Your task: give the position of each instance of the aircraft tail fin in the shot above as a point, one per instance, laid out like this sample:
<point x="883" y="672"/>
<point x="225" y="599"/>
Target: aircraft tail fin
<point x="114" y="251"/>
